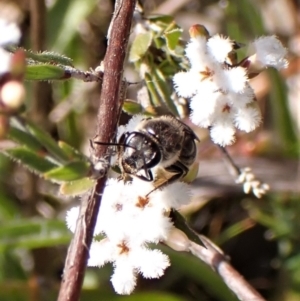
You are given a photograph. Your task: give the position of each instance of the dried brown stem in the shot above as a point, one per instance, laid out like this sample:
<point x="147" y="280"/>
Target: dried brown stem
<point x="215" y="258"/>
<point x="42" y="92"/>
<point x="108" y="115"/>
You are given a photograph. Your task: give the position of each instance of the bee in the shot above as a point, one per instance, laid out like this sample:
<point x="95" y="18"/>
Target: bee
<point x="162" y="145"/>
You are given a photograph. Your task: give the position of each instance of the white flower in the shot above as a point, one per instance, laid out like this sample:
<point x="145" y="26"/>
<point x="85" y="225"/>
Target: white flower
<point x="128" y="259"/>
<point x="186" y="83"/>
<point x="233" y="79"/>
<point x="270" y="52"/>
<point x="219" y="47"/>
<point x="221" y="96"/>
<point x="131" y="216"/>
<point x="248" y="118"/>
<point x="10" y="33"/>
<point x="123" y="279"/>
<point x="196" y="52"/>
<point x="222" y="132"/>
<point x="71" y="218"/>
<point x="250" y="183"/>
<point x="134" y="122"/>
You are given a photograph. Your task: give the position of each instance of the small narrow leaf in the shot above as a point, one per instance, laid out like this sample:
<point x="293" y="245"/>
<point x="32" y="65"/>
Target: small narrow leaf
<point x="50" y="57"/>
<point x="32" y="160"/>
<point x="71" y="152"/>
<point x="24" y="139"/>
<point x="48" y="142"/>
<point x="44" y="72"/>
<point x="43" y="57"/>
<point x="69" y="172"/>
<point x="76" y="187"/>
<point x="140" y="46"/>
<point x="131" y="107"/>
<point x="163" y="90"/>
<point x="154" y="97"/>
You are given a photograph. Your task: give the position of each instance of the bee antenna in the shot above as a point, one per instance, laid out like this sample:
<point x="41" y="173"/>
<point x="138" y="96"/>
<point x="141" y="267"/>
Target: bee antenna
<point x="111" y="144"/>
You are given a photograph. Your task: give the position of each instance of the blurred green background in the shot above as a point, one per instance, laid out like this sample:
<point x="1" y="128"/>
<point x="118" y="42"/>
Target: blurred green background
<point x="262" y="237"/>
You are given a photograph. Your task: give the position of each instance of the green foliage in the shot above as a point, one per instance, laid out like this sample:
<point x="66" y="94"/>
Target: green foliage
<point x="140" y="46"/>
<point x="132" y="107"/>
<point x="44" y="72"/>
<point x="32" y="160"/>
<point x="76" y="187"/>
<point x="34" y="233"/>
<point x="69" y="172"/>
<point x="156" y="51"/>
<point x="41" y="154"/>
<point x="280" y="214"/>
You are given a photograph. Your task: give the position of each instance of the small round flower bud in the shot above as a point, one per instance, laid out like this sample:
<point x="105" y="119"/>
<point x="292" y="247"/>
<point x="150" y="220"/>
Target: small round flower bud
<point x="177" y="240"/>
<point x="198" y="30"/>
<point x="12" y="94"/>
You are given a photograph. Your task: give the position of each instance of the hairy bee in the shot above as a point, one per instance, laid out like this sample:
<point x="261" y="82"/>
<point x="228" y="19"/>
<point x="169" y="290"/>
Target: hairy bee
<point x="163" y="145"/>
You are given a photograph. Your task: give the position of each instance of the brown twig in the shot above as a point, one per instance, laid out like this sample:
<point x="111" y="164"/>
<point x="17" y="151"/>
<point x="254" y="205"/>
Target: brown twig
<point x="42" y="91"/>
<point x="218" y="261"/>
<point x="108" y="115"/>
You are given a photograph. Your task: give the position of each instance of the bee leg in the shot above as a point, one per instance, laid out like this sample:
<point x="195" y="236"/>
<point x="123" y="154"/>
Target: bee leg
<point x="178" y="170"/>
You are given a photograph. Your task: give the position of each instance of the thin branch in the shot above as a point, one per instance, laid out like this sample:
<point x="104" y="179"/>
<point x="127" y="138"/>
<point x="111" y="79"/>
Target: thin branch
<point x="42" y="92"/>
<point x="108" y="115"/>
<point x="213" y="256"/>
<point x="233" y="168"/>
<point x="86" y="76"/>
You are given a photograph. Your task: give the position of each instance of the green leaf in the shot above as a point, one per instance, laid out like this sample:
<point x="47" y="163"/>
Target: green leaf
<point x="154" y="97"/>
<point x="160" y="20"/>
<point x="44" y="57"/>
<point x="44" y="72"/>
<point x="71" y="152"/>
<point x="172" y="38"/>
<point x="32" y="160"/>
<point x="76" y="187"/>
<point x="69" y="172"/>
<point x="63" y="18"/>
<point x="140" y="46"/>
<point x="24" y="139"/>
<point x="131" y="107"/>
<point x="33" y="233"/>
<point x="162" y="88"/>
<point x="49" y="57"/>
<point x="283" y="121"/>
<point x="48" y="142"/>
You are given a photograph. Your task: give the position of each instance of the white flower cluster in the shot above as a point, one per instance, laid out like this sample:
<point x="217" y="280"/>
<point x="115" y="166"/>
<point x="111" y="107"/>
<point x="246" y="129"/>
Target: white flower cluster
<point x="221" y="96"/>
<point x="9" y="34"/>
<point x="130" y="218"/>
<point x="251" y="183"/>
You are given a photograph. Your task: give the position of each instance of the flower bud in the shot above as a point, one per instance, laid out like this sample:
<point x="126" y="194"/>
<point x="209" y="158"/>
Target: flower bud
<point x="12" y="94"/>
<point x="177" y="240"/>
<point x="198" y="30"/>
